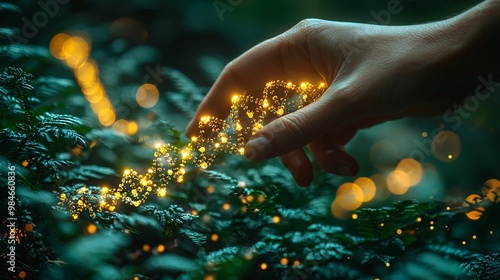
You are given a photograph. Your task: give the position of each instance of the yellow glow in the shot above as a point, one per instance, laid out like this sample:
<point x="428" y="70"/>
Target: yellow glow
<point x="263" y="266"/>
<point x="367" y="186"/>
<point x="28" y="227"/>
<point x="354" y="216"/>
<point x="57" y="43"/>
<point x="147" y="95"/>
<point x="161" y="248"/>
<point x="296" y="263"/>
<point x="387" y="264"/>
<point x="413" y="170"/>
<point x="91" y="229"/>
<point x="284" y="261"/>
<point x="75" y="51"/>
<point x="276" y="219"/>
<point x="419" y="219"/>
<point x="397" y="182"/>
<point x="214" y="237"/>
<point x="399" y="231"/>
<point x="162" y="192"/>
<point x="25" y="163"/>
<point x="210" y="189"/>
<point x="226" y="206"/>
<point x="235" y="98"/>
<point x="474" y="236"/>
<point x="132" y="128"/>
<point x="146" y="247"/>
<point x="349" y="196"/>
<point x="464" y="242"/>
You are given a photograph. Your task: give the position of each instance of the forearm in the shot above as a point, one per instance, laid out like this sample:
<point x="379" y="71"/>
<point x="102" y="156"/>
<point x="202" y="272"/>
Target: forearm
<point x="474" y="37"/>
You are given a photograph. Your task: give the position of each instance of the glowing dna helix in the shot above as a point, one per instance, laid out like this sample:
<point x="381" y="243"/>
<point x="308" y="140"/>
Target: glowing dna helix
<point x="248" y="114"/>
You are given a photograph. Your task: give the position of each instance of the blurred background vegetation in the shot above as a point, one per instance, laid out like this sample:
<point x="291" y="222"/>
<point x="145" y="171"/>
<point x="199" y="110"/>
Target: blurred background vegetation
<point x="179" y="48"/>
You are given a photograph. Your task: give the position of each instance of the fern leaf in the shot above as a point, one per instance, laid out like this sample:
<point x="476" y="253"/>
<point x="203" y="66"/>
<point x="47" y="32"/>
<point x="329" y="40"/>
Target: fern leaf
<point x="8" y="7"/>
<point x="18" y="52"/>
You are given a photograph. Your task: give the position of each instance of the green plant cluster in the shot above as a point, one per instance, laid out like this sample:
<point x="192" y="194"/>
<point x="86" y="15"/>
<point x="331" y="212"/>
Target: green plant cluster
<point x="207" y="227"/>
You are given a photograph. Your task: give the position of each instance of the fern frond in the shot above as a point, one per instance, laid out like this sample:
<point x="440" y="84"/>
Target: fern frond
<point x="17" y="52"/>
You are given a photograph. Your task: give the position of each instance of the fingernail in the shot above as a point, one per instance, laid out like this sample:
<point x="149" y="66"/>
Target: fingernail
<point x="344" y="170"/>
<point x="258" y="148"/>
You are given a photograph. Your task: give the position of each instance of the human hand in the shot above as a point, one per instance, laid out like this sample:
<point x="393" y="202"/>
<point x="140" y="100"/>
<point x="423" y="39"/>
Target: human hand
<point x="375" y="73"/>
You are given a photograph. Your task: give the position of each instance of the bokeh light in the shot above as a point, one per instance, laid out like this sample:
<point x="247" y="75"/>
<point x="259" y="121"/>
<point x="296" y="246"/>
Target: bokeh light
<point x="367" y="186"/>
<point x="74" y="51"/>
<point x="413" y="170"/>
<point x="398" y="182"/>
<point x="446" y="146"/>
<point x="147" y="95"/>
<point x="350" y="196"/>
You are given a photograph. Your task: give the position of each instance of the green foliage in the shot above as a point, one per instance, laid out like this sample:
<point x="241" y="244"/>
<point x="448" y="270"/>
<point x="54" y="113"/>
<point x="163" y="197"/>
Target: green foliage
<point x="226" y="222"/>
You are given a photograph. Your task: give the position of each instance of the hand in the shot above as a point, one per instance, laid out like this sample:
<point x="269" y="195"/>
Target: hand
<point x="375" y="73"/>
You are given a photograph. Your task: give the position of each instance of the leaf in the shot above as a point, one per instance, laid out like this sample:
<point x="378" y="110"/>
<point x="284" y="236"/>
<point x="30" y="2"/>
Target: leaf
<point x="94" y="249"/>
<point x="87" y="172"/>
<point x="170" y="262"/>
<point x="8" y="7"/>
<point x="8" y="32"/>
<point x="197" y="238"/>
<point x="187" y="95"/>
<point x="18" y="52"/>
<point x="52" y="86"/>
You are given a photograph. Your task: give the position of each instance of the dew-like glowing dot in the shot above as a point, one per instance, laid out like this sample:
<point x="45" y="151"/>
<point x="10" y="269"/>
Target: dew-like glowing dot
<point x="413" y="170"/>
<point x="446" y="146"/>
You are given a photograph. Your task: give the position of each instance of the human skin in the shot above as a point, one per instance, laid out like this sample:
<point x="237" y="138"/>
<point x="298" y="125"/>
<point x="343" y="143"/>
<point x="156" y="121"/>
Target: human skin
<point x="374" y="73"/>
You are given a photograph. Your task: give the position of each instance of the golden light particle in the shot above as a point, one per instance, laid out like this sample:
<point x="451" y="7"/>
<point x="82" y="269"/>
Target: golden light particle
<point x="399" y="231"/>
<point x="354" y="216"/>
<point x="464" y="242"/>
<point x="214" y="237"/>
<point x="210" y="189"/>
<point x="431" y="227"/>
<point x="22" y="274"/>
<point x="276" y="219"/>
<point x="146" y="247"/>
<point x="263" y="266"/>
<point x="28" y="227"/>
<point x="419" y="219"/>
<point x="25" y="163"/>
<point x="296" y="263"/>
<point x="91" y="229"/>
<point x="284" y="261"/>
<point x="226" y="206"/>
<point x="474" y="236"/>
<point x="387" y="264"/>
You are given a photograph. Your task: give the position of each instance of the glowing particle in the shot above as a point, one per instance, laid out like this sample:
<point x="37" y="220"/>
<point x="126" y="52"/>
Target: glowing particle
<point x="146" y="247"/>
<point x="419" y="219"/>
<point x="399" y="231"/>
<point x="80" y="202"/>
<point x="474" y="236"/>
<point x="280" y="111"/>
<point x="263" y="266"/>
<point x="63" y="196"/>
<point x="387" y="264"/>
<point x="464" y="242"/>
<point x="235" y="98"/>
<point x="223" y="139"/>
<point x="226" y="206"/>
<point x="241" y="151"/>
<point x="205" y="119"/>
<point x="431" y="227"/>
<point x="160" y="248"/>
<point x="250" y="114"/>
<point x="210" y="189"/>
<point x="203" y="165"/>
<point x="214" y="237"/>
<point x="201" y="149"/>
<point x="284" y="261"/>
<point x="126" y="172"/>
<point x="194" y="139"/>
<point x="354" y="216"/>
<point x="276" y="219"/>
<point x="265" y="103"/>
<point x="448" y="208"/>
<point x="162" y="192"/>
<point x="296" y="263"/>
<point x="91" y="229"/>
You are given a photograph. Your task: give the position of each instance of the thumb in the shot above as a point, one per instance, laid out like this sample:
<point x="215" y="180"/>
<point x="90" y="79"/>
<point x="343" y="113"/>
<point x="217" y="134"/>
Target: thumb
<point x="295" y="130"/>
